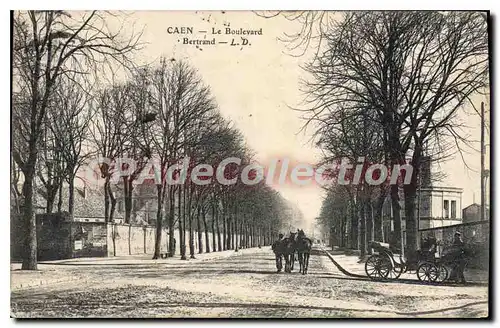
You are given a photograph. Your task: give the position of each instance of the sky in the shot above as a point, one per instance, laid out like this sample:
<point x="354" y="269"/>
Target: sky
<point x="256" y="86"/>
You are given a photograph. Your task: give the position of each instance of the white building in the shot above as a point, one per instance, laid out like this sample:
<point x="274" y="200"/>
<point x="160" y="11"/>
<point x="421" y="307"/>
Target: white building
<point x="437" y="205"/>
<point x="440" y="206"/>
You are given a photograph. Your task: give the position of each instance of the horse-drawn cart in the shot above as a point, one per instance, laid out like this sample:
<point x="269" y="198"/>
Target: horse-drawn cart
<point x="385" y="265"/>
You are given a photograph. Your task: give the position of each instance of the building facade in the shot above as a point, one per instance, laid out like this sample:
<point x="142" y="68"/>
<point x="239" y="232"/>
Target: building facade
<point x="472" y="213"/>
<point x="437" y="205"/>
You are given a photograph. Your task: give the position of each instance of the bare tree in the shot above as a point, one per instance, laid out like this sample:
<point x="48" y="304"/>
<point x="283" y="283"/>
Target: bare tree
<point x="51" y="168"/>
<point x="182" y="102"/>
<point x="415" y="70"/>
<point x="110" y="132"/>
<point x="69" y="123"/>
<point x="47" y="45"/>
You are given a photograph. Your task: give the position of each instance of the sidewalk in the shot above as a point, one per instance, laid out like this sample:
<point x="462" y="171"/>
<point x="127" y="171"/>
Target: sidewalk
<point x="351" y="265"/>
<point x="49" y="271"/>
<point x="20" y="279"/>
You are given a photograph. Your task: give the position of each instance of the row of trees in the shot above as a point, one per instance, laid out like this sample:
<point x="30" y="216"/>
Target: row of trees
<point x="385" y="86"/>
<point x="166" y="113"/>
<point x="71" y="104"/>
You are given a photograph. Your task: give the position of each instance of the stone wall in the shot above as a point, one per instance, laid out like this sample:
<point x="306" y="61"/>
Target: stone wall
<point x="61" y="238"/>
<point x="475" y="235"/>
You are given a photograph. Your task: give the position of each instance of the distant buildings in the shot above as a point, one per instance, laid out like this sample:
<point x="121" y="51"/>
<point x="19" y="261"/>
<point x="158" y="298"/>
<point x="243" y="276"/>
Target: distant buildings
<point x="472" y="213"/>
<point x="89" y="203"/>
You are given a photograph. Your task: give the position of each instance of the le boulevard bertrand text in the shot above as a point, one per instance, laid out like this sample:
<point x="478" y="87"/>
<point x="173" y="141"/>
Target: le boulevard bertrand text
<point x="188" y="32"/>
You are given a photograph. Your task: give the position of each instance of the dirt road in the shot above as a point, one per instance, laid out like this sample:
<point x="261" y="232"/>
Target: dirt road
<point x="246" y="285"/>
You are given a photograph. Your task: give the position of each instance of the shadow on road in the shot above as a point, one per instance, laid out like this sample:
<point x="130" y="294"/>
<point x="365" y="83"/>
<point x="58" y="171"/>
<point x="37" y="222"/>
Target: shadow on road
<point x="322" y="308"/>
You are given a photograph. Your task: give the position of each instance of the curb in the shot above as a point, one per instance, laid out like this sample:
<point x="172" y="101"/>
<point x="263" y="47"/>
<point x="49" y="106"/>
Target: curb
<point x="109" y="260"/>
<point x="341" y="269"/>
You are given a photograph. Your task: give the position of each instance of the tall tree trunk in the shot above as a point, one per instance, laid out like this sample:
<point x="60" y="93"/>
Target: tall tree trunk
<point x="191" y="236"/>
<point x="354" y="223"/>
<point x="50" y="201"/>
<point x="200" y="234"/>
<point x="159" y="220"/>
<point x="343" y="230"/>
<point x="219" y="241"/>
<point x="182" y="225"/>
<point x="106" y="201"/>
<point x="112" y="201"/>
<point x="60" y="199"/>
<point x="214" y="245"/>
<point x="127" y="194"/>
<point x="71" y="198"/>
<point x="241" y="229"/>
<point x="230" y="244"/>
<point x="396" y="216"/>
<point x="52" y="190"/>
<point x="411" y="221"/>
<point x="113" y="237"/>
<point x="30" y="242"/>
<point x="249" y="228"/>
<point x="224" y="244"/>
<point x="235" y="228"/>
<point x="247" y="235"/>
<point x="233" y="233"/>
<point x="378" y="227"/>
<point x="369" y="224"/>
<point x="171" y="221"/>
<point x="229" y="231"/>
<point x="410" y="195"/>
<point x="185" y="221"/>
<point x="207" y="237"/>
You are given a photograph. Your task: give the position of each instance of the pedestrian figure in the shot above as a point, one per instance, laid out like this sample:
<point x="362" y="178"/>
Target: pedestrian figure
<point x="278" y="252"/>
<point x="457" y="273"/>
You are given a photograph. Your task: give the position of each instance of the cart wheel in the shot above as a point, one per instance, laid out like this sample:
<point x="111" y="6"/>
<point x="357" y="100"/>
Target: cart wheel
<point x="442" y="273"/>
<point x="396" y="272"/>
<point x="377" y="267"/>
<point x="427" y="272"/>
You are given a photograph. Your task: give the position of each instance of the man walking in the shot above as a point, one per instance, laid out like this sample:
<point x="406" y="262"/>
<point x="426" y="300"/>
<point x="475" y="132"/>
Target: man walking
<point x="460" y="262"/>
<point x="278" y="253"/>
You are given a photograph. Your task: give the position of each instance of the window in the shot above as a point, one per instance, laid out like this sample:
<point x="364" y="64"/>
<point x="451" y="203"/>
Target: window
<point x="453" y="209"/>
<point x="446" y="209"/>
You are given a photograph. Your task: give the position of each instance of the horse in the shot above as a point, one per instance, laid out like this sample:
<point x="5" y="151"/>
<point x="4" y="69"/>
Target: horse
<point x="303" y="246"/>
<point x="288" y="250"/>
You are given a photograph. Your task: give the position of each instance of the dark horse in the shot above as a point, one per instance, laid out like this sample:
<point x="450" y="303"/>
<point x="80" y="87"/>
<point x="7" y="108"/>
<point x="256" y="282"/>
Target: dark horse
<point x="303" y="246"/>
<point x="288" y="250"/>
